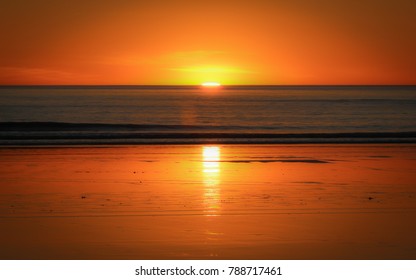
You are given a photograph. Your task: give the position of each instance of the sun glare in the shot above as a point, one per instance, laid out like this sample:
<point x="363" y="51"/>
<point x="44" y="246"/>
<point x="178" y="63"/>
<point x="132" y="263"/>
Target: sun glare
<point x="211" y="154"/>
<point x="211" y="157"/>
<point x="211" y="84"/>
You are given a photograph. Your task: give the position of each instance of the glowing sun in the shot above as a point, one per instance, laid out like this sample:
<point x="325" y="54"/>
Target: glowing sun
<point x="211" y="84"/>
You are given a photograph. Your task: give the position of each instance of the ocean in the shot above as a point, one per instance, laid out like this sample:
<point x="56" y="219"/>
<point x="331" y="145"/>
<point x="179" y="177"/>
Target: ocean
<point x="48" y="115"/>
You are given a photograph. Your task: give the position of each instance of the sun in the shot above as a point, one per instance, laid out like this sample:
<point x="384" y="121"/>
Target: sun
<point x="211" y="84"/>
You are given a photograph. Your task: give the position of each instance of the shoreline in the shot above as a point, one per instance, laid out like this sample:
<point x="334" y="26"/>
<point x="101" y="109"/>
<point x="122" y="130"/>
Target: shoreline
<point x="58" y="133"/>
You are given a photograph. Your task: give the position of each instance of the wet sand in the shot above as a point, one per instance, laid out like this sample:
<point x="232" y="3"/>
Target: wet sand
<point x="209" y="202"/>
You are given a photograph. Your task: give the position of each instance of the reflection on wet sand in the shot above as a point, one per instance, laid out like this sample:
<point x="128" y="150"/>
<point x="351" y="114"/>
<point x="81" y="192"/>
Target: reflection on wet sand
<point x="207" y="202"/>
<point x="211" y="178"/>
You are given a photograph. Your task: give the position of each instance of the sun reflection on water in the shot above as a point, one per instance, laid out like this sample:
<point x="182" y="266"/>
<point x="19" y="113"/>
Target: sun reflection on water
<point x="211" y="177"/>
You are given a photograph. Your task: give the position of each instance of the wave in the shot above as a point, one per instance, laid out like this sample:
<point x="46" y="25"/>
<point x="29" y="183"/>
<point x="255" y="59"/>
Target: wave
<point x="63" y="126"/>
<point x="33" y="133"/>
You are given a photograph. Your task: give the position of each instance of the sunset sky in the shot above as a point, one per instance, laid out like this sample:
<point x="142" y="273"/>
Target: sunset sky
<point x="190" y="42"/>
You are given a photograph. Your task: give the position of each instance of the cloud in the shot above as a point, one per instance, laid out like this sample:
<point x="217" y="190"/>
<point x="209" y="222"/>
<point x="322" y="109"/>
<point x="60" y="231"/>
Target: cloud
<point x="215" y="69"/>
<point x="36" y="75"/>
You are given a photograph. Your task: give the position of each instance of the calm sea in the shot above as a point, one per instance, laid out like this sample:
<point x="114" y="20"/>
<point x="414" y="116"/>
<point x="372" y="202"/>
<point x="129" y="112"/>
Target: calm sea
<point x="175" y="114"/>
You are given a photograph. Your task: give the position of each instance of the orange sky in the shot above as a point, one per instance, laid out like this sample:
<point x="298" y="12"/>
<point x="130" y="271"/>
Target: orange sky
<point x="190" y="42"/>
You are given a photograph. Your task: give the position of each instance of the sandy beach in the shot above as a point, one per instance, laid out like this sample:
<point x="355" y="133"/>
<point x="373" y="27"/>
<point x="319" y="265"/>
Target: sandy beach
<point x="209" y="202"/>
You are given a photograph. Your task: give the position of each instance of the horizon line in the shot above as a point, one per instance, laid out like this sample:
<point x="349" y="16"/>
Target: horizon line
<point x="226" y="85"/>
